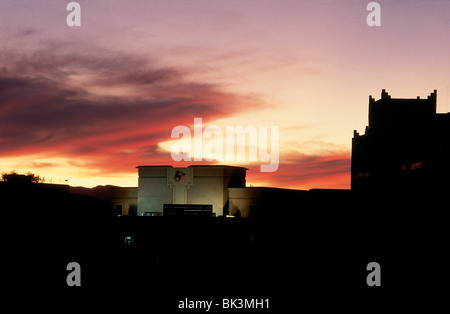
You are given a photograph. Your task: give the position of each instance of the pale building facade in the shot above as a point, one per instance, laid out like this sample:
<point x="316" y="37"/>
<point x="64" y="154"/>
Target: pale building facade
<point x="193" y="185"/>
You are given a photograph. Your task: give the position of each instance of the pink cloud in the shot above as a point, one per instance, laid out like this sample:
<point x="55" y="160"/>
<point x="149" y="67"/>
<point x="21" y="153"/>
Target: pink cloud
<point x="331" y="170"/>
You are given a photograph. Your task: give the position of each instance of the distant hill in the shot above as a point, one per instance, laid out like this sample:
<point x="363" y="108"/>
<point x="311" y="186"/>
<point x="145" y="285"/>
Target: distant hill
<point x="102" y="192"/>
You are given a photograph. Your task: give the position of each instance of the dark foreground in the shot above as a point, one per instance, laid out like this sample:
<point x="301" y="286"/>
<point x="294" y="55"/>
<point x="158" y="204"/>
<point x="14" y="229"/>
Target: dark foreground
<point x="287" y="259"/>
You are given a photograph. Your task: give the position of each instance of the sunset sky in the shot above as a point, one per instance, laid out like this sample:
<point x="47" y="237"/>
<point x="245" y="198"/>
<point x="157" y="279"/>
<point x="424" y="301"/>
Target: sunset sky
<point x="91" y="103"/>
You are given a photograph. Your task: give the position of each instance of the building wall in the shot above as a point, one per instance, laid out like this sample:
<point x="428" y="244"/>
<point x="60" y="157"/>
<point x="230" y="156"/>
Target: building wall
<point x="208" y="185"/>
<point x="127" y="198"/>
<point x="243" y="200"/>
<point x="153" y="189"/>
<point x="208" y="188"/>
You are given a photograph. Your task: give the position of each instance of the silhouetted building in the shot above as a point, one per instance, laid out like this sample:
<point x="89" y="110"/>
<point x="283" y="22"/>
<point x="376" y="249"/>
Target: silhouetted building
<point x="406" y="146"/>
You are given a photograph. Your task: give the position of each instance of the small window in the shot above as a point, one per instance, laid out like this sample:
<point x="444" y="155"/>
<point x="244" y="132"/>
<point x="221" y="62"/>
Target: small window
<point x="128" y="240"/>
<point x="415" y="165"/>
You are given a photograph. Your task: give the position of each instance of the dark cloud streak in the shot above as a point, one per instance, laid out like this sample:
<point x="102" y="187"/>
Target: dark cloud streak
<point x="67" y="103"/>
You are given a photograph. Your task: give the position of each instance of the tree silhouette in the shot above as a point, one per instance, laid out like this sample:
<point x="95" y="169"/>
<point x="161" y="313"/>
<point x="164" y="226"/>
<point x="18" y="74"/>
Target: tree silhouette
<point x="32" y="177"/>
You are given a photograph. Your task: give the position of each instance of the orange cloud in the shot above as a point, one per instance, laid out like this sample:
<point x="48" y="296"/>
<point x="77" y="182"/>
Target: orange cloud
<point x="330" y="170"/>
